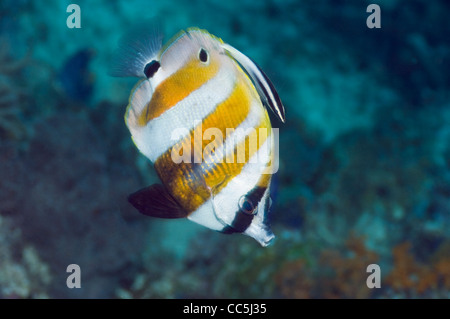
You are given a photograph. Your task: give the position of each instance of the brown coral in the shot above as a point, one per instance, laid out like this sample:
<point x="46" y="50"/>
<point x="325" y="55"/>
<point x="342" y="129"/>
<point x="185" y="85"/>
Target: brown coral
<point x="294" y="280"/>
<point x="442" y="268"/>
<point x="413" y="278"/>
<point x="338" y="273"/>
<point x="348" y="272"/>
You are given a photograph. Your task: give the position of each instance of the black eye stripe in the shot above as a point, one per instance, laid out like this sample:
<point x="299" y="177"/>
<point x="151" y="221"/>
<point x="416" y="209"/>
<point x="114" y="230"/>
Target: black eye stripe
<point x="151" y="68"/>
<point x="203" y="55"/>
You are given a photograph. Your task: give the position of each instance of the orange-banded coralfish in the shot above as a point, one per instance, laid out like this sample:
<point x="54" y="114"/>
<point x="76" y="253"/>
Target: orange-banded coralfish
<point x="199" y="115"/>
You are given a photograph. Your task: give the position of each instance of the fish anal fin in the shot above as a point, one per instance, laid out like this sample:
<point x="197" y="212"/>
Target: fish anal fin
<point x="155" y="201"/>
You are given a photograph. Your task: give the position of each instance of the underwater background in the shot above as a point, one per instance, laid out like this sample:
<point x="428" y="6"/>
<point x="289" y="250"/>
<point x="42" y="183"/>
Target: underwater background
<point x="364" y="173"/>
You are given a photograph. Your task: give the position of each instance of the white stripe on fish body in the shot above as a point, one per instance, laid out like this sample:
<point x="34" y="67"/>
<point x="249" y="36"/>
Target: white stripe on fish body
<point x="184" y="115"/>
<point x="226" y="203"/>
<point x="204" y="215"/>
<point x="140" y="95"/>
<point x="258" y="228"/>
<point x="223" y="152"/>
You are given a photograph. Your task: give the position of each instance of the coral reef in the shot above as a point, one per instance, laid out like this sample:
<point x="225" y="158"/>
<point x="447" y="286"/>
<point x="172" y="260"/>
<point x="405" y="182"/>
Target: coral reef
<point x="348" y="272"/>
<point x="335" y="273"/>
<point x="295" y="280"/>
<point x="12" y="96"/>
<point x="204" y="273"/>
<point x="411" y="278"/>
<point x="75" y="209"/>
<point x="22" y="275"/>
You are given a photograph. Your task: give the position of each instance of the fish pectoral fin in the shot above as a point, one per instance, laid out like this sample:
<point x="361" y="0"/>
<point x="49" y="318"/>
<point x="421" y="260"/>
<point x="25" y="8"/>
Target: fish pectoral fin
<point x="219" y="212"/>
<point x="218" y="184"/>
<point x="155" y="201"/>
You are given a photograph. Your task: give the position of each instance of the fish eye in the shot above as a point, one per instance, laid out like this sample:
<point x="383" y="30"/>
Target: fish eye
<point x="151" y="68"/>
<point x="203" y="55"/>
<point x="246" y="206"/>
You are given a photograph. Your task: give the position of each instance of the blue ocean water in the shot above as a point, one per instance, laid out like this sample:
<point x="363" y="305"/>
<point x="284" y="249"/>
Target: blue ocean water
<point x="364" y="173"/>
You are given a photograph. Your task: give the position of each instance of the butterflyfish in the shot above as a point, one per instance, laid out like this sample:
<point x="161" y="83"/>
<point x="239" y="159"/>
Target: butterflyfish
<point x="199" y="114"/>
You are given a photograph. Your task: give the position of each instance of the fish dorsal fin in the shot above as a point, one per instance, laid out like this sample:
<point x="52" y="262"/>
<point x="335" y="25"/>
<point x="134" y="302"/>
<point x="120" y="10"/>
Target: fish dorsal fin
<point x="138" y="47"/>
<point x="155" y="201"/>
<point x="264" y="86"/>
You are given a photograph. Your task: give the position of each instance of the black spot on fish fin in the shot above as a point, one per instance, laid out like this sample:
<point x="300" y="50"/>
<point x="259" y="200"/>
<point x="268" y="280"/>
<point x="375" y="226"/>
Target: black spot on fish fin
<point x="155" y="201"/>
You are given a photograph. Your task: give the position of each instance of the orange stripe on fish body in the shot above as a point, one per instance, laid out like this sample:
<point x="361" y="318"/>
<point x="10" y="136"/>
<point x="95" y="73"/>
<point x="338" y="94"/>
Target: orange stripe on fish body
<point x="177" y="87"/>
<point x="182" y="182"/>
<point x="233" y="169"/>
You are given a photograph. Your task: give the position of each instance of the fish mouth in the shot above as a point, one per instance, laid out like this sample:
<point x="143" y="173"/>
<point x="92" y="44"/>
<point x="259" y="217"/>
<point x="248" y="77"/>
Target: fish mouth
<point x="263" y="235"/>
<point x="267" y="241"/>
